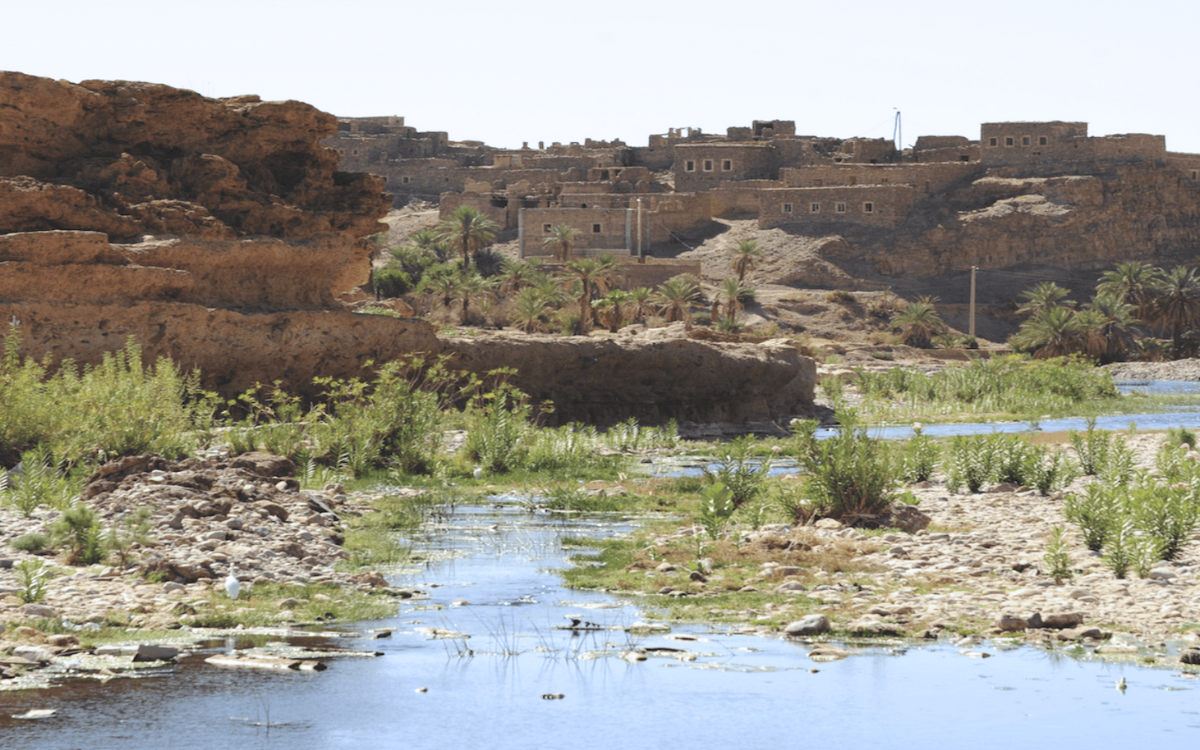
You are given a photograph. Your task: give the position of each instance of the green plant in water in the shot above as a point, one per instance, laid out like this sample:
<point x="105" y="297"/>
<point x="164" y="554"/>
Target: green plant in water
<point x="1058" y="557"/>
<point x="716" y="510"/>
<point x="31" y="580"/>
<point x="497" y="425"/>
<point x="738" y="471"/>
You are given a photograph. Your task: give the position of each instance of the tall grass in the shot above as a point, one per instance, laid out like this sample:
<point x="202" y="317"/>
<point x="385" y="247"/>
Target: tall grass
<point x="1009" y="385"/>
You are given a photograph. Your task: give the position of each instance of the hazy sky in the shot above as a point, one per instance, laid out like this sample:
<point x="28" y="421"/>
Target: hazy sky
<point x="507" y="72"/>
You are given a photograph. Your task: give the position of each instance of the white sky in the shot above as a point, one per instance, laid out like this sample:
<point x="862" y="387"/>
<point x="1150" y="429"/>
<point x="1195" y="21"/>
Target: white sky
<point x="506" y="72"/>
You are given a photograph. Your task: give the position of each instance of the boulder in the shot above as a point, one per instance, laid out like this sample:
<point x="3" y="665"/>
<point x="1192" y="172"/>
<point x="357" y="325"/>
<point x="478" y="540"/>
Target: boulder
<point x="809" y="625"/>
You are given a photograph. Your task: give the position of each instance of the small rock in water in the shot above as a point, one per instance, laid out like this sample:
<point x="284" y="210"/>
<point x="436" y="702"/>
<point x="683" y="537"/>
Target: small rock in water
<point x="36" y="713"/>
<point x="552" y="696"/>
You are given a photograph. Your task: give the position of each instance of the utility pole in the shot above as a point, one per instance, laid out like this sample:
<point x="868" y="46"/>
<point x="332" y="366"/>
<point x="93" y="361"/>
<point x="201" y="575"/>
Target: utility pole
<point x="641" y="258"/>
<point x="971" y="326"/>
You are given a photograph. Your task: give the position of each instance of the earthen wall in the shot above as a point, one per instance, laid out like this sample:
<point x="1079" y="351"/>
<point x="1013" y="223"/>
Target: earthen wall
<point x="927" y="178"/>
<point x="704" y="166"/>
<point x="881" y="205"/>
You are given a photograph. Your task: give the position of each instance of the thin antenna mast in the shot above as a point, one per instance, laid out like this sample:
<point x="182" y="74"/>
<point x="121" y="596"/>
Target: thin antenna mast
<point x="897" y="134"/>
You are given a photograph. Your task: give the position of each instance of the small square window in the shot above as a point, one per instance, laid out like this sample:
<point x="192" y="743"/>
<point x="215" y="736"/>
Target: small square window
<point x="814" y="208"/>
<point x="689" y="166"/>
<point x="1194" y="172"/>
<point x="727" y="165"/>
<point x="1042" y="140"/>
<point x="708" y="165"/>
<point x="868" y="208"/>
<point x="841" y="208"/>
<point x="992" y="142"/>
<point x="787" y="208"/>
<point x="1025" y="140"/>
<point x="404" y="180"/>
<point x="595" y="229"/>
<point x="546" y="229"/>
<point x="1008" y="141"/>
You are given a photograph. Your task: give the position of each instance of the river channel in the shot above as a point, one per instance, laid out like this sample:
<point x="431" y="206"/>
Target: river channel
<point x="500" y="688"/>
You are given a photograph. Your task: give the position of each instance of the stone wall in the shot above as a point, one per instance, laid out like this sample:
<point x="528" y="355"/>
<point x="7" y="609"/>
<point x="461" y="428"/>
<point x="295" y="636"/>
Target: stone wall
<point x="597" y="230"/>
<point x="927" y="178"/>
<point x="705" y="166"/>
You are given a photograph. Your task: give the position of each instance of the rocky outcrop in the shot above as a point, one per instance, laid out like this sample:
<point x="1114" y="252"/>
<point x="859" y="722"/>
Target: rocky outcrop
<point x="652" y="375"/>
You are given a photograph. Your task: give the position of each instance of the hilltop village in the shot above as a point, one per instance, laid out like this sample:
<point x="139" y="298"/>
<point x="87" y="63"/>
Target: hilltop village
<point x="1021" y="194"/>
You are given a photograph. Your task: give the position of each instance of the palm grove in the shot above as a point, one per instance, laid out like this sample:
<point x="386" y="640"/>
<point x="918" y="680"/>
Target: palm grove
<point x="452" y="268"/>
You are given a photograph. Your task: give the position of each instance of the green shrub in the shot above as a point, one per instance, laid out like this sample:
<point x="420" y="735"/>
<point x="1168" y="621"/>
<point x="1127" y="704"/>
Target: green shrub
<point x="1098" y="513"/>
<point x="919" y="458"/>
<point x="78" y="528"/>
<point x="41" y="481"/>
<point x="31" y="580"/>
<point x="971" y="462"/>
<point x="392" y="282"/>
<point x="30" y="543"/>
<point x="1181" y="436"/>
<point x="1119" y="547"/>
<point x="716" y="510"/>
<point x="1092" y="447"/>
<point x="1046" y="471"/>
<point x="1011" y="458"/>
<point x="1168" y="514"/>
<point x="1058" y="557"/>
<point x="850" y="474"/>
<point x="738" y="471"/>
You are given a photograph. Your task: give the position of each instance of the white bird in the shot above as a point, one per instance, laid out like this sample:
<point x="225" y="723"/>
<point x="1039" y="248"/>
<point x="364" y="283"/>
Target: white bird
<point x="478" y="473"/>
<point x="1121" y="685"/>
<point x="232" y="585"/>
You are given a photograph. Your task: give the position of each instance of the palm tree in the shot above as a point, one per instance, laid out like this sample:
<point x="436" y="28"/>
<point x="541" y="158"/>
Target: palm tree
<point x="1133" y="283"/>
<point x="471" y="286"/>
<point x="1177" y="305"/>
<point x="441" y="285"/>
<point x="744" y="255"/>
<point x="1052" y="332"/>
<point x="733" y="293"/>
<point x="642" y="300"/>
<point x="1044" y="295"/>
<point x="1112" y="324"/>
<point x="428" y="241"/>
<point x="531" y="307"/>
<point x="519" y="274"/>
<point x="591" y="275"/>
<point x="613" y="307"/>
<point x="675" y="298"/>
<point x="467" y="230"/>
<point x="562" y="237"/>
<point x="919" y="322"/>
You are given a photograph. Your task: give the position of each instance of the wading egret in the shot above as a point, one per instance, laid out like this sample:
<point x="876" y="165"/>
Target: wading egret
<point x="232" y="585"/>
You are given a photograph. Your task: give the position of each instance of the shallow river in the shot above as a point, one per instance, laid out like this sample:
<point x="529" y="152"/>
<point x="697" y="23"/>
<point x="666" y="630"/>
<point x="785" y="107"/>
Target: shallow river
<point x="739" y="692"/>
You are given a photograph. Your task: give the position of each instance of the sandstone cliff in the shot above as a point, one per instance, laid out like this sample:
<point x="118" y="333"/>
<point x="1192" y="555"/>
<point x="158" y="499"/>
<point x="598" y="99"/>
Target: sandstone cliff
<point x="218" y="232"/>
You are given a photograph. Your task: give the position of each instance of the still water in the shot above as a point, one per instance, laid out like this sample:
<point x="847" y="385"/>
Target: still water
<point x="487" y="691"/>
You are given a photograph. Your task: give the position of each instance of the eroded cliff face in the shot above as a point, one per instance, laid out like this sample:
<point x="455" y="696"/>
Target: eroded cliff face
<point x="218" y="232"/>
<point x="1146" y="212"/>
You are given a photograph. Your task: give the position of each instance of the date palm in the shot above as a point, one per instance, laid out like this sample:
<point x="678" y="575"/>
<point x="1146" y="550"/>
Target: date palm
<point x="470" y="286"/>
<point x="1111" y="322"/>
<point x="675" y="298"/>
<point x="919" y="322"/>
<point x="531" y="306"/>
<point x="613" y="309"/>
<point x="562" y="238"/>
<point x="591" y="275"/>
<point x="1044" y="295"/>
<point x="467" y="230"/>
<point x="642" y="300"/>
<point x="1176" y="306"/>
<point x="744" y="256"/>
<point x="1051" y="332"/>
<point x="1133" y="283"/>
<point x="732" y="292"/>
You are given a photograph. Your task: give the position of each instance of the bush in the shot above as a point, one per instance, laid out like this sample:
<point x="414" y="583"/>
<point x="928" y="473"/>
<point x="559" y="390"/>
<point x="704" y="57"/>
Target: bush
<point x="1050" y="471"/>
<point x="497" y="423"/>
<point x="1092" y="447"/>
<point x="1097" y="514"/>
<point x="79" y="529"/>
<point x="1181" y="436"/>
<point x="741" y="474"/>
<point x="30" y="543"/>
<point x="850" y="475"/>
<point x="31" y="580"/>
<point x="971" y="463"/>
<point x="1058" y="558"/>
<point x="718" y="507"/>
<point x="920" y="458"/>
<point x="41" y="481"/>
<point x="392" y="282"/>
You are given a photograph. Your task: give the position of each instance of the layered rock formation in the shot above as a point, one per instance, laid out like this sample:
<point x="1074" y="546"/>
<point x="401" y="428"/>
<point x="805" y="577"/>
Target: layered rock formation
<point x="218" y="232"/>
